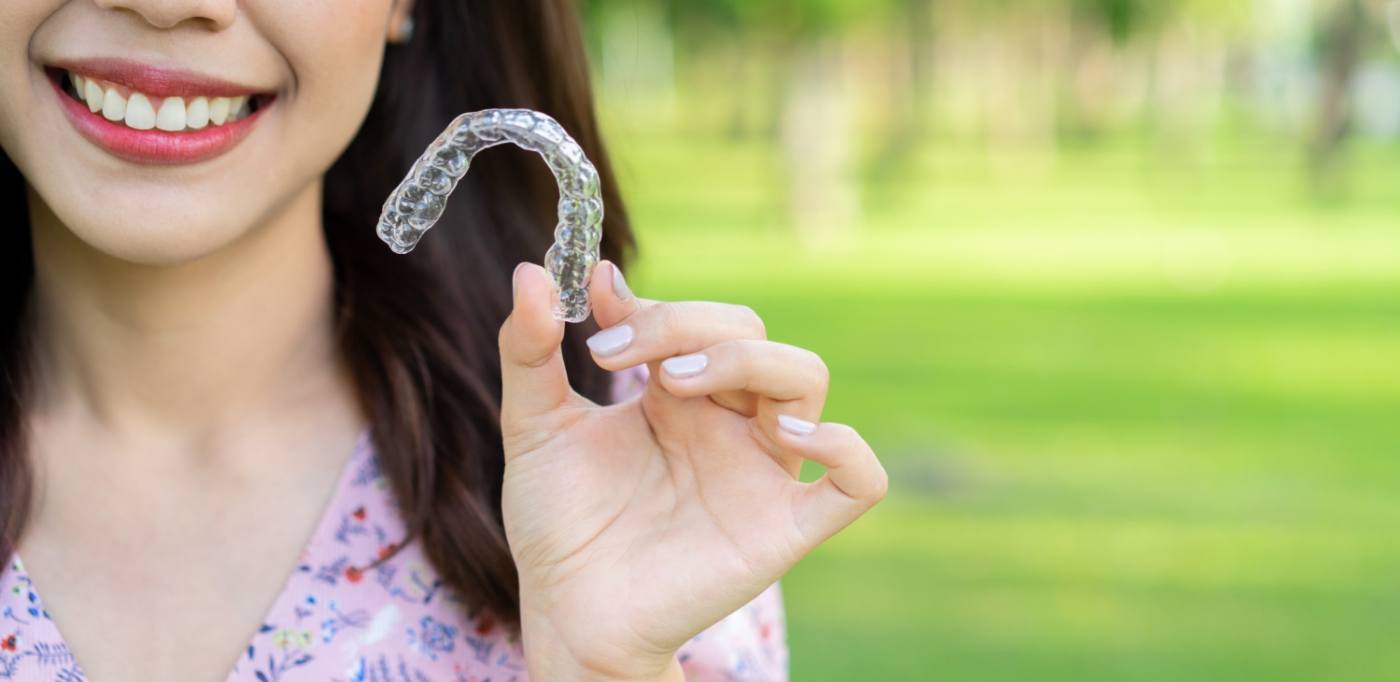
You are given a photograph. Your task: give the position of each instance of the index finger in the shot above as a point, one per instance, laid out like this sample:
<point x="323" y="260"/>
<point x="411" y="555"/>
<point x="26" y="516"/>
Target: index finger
<point x="613" y="301"/>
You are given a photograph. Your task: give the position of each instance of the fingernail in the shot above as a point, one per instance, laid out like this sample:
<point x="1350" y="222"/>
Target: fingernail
<point x="795" y="426"/>
<point x="514" y="281"/>
<point x="620" y="288"/>
<point x="684" y="366"/>
<point x="611" y="341"/>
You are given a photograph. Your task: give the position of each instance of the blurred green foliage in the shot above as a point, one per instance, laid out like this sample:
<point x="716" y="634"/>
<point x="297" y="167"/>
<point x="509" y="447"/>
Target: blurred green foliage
<point x="1121" y="448"/>
<point x="792" y="16"/>
<point x="1136" y="389"/>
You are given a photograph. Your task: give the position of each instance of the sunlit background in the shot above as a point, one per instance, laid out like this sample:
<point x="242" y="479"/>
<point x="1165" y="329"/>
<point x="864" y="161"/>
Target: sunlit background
<point x="1113" y="286"/>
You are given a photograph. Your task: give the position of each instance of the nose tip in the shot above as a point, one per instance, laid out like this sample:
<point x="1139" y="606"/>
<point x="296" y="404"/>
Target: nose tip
<point x="167" y="14"/>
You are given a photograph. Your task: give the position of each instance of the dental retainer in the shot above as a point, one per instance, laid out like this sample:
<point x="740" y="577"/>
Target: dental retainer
<point x="418" y="202"/>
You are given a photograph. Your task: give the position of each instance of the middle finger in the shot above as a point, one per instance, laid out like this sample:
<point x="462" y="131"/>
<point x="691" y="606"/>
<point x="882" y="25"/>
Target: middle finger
<point x="662" y="330"/>
<point x="792" y="376"/>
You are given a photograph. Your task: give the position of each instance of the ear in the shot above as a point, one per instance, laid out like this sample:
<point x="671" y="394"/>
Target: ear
<point x="400" y="22"/>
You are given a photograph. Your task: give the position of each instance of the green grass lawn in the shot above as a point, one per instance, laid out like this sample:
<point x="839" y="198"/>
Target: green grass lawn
<point x="1142" y="422"/>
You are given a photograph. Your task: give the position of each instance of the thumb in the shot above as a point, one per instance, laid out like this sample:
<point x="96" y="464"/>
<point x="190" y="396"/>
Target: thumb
<point x="533" y="379"/>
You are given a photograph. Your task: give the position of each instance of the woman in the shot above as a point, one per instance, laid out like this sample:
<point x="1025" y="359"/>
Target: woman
<point x="241" y="439"/>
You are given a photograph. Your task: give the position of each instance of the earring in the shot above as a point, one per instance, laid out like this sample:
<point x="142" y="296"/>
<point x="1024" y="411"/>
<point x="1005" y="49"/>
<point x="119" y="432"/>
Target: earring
<point x="405" y="32"/>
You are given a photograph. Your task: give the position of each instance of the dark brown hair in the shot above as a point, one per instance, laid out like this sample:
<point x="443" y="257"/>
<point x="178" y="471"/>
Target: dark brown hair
<point x="419" y="331"/>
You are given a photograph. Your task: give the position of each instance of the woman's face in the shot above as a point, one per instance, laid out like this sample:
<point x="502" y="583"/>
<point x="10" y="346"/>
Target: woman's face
<point x="168" y="168"/>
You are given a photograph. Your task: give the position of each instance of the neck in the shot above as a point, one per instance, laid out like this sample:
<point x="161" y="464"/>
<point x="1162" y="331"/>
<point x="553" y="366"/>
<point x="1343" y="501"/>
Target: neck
<point x="190" y="349"/>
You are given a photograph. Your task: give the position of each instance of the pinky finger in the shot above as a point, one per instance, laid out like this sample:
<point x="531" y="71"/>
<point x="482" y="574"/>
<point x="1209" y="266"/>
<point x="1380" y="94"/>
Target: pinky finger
<point x="854" y="480"/>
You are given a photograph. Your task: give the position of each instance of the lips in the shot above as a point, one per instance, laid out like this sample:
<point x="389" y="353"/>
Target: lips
<point x="155" y="116"/>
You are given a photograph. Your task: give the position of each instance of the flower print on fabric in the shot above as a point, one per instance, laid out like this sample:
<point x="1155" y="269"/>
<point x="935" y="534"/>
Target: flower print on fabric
<point x="29" y="647"/>
<point x="340" y="619"/>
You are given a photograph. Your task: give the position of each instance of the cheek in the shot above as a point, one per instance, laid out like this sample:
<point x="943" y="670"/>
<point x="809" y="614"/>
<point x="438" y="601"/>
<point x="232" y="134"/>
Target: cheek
<point x="336" y="71"/>
<point x="334" y="77"/>
<point x="19" y="20"/>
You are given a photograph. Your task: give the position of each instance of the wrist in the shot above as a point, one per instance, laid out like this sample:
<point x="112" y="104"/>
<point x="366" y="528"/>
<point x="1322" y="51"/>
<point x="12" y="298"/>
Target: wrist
<point x="561" y="665"/>
<point x="550" y="656"/>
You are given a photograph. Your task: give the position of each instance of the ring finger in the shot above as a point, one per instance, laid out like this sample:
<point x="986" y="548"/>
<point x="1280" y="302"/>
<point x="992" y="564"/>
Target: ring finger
<point x="770" y="382"/>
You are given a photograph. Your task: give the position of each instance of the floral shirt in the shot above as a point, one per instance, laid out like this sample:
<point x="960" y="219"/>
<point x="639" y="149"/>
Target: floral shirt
<point x="336" y="621"/>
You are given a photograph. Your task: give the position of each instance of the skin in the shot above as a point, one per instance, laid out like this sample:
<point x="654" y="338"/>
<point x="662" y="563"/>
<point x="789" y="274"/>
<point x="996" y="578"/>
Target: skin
<point x="682" y="504"/>
<point x="164" y="435"/>
<point x="183" y="457"/>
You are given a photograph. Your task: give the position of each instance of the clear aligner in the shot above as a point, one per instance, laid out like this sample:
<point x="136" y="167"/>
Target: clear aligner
<point x="420" y="199"/>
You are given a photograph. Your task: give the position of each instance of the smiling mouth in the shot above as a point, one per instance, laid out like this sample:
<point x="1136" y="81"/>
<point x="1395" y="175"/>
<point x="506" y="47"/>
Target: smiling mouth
<point x="142" y="111"/>
<point x="155" y="116"/>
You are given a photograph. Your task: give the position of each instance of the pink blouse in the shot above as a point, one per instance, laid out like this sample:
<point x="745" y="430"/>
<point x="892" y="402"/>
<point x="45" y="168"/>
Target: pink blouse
<point x="398" y="622"/>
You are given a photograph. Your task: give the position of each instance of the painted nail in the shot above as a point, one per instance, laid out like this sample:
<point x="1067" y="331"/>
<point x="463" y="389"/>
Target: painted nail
<point x="620" y="288"/>
<point x="685" y="366"/>
<point x="795" y="426"/>
<point x="611" y="341"/>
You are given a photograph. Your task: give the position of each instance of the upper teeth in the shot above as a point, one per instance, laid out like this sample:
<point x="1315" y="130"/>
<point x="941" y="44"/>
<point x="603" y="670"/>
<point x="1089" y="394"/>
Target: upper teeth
<point x="144" y="112"/>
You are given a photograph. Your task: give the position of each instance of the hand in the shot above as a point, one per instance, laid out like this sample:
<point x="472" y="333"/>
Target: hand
<point x="636" y="526"/>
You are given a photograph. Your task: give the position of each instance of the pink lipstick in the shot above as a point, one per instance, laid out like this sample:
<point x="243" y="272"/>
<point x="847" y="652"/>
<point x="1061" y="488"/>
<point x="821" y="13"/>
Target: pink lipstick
<point x="137" y="137"/>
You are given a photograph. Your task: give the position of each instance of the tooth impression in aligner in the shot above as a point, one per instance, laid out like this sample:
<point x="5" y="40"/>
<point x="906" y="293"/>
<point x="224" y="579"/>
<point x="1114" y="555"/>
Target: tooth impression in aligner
<point x="418" y="202"/>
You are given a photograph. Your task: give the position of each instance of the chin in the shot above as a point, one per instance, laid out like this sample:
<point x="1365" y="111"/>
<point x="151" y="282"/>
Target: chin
<point x="157" y="237"/>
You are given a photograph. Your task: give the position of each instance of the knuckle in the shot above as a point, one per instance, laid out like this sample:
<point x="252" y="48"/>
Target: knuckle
<point x="745" y="353"/>
<point x="750" y="320"/>
<point x="659" y="322"/>
<point x="845" y="434"/>
<point x="539" y="361"/>
<point x="820" y="372"/>
<point x="501" y="335"/>
<point x="881" y="483"/>
<point x="862" y="456"/>
<point x="747" y="362"/>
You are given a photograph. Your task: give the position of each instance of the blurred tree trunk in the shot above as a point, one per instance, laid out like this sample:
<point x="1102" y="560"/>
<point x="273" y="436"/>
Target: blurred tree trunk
<point x="817" y="142"/>
<point x="909" y="105"/>
<point x="921" y="40"/>
<point x="1341" y="51"/>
